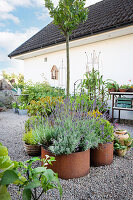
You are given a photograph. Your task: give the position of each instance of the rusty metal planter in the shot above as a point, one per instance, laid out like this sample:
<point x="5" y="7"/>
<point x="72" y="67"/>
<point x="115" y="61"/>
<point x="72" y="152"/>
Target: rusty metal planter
<point x="33" y="150"/>
<point x="70" y="166"/>
<point x="103" y="155"/>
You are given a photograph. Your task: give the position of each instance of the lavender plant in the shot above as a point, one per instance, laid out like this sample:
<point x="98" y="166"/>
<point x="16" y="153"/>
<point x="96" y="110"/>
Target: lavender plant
<point x="71" y="130"/>
<point x="103" y="129"/>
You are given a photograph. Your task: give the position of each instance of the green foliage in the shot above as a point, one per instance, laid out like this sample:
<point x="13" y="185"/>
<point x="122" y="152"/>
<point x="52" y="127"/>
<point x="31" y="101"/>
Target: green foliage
<point x="69" y="135"/>
<point x="34" y="135"/>
<point x="44" y="106"/>
<point x="31" y="138"/>
<point x="94" y="86"/>
<point x="4" y="194"/>
<point x="14" y="105"/>
<point x="17" y="81"/>
<point x="32" y="122"/>
<point x="22" y="106"/>
<point x="124" y="144"/>
<point x="29" y="178"/>
<point x="124" y="86"/>
<point x="118" y="145"/>
<point x="103" y="129"/>
<point x="82" y="101"/>
<point x="111" y="84"/>
<point x="67" y="16"/>
<point x="1" y="104"/>
<point x="34" y="91"/>
<point x="5" y="164"/>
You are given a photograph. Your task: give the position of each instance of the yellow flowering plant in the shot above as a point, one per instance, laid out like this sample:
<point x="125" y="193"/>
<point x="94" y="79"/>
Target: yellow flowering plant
<point x="44" y="106"/>
<point x="95" y="113"/>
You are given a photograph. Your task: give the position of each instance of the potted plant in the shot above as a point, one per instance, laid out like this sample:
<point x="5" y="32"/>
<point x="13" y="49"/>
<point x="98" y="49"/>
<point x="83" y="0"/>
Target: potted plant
<point x="69" y="140"/>
<point x="122" y="144"/>
<point x="120" y="149"/>
<point x="103" y="154"/>
<point x="15" y="107"/>
<point x="130" y="86"/>
<point x="31" y="143"/>
<point x="123" y="88"/>
<point x="22" y="109"/>
<point x="111" y="85"/>
<point x="121" y="135"/>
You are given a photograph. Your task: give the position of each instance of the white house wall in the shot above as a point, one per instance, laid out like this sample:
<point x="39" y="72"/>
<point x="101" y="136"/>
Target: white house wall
<point x="116" y="62"/>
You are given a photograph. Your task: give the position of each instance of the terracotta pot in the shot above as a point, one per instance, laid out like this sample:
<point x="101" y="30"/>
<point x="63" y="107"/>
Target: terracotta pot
<point x="130" y="90"/>
<point x="103" y="155"/>
<point x="128" y="143"/>
<point x="70" y="166"/>
<point x="121" y="137"/>
<point x="33" y="150"/>
<point x="121" y="131"/>
<point x="121" y="152"/>
<point x="122" y="90"/>
<point x="112" y="90"/>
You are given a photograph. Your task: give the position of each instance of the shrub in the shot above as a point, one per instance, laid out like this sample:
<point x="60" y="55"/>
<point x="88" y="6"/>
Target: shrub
<point x="70" y="131"/>
<point x="44" y="106"/>
<point x="34" y="91"/>
<point x="31" y="138"/>
<point x="103" y="129"/>
<point x="14" y="105"/>
<point x="32" y="122"/>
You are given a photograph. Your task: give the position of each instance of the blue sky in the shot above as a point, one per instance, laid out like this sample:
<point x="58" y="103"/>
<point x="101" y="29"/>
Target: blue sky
<point x="19" y="20"/>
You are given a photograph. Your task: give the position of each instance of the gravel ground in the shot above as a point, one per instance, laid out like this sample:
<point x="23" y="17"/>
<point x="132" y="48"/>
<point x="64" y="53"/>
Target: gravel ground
<point x="114" y="182"/>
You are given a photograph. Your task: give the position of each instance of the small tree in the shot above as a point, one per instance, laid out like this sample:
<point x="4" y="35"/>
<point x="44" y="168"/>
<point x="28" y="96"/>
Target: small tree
<point x="67" y="15"/>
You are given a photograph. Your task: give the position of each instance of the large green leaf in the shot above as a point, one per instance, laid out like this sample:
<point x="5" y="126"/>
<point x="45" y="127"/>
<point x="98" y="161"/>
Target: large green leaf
<point x="39" y="170"/>
<point x="33" y="160"/>
<point x="49" y="174"/>
<point x="9" y="177"/>
<point x="51" y="177"/>
<point x="6" y="163"/>
<point x="3" y="151"/>
<point x="4" y="194"/>
<point x="26" y="194"/>
<point x="34" y="184"/>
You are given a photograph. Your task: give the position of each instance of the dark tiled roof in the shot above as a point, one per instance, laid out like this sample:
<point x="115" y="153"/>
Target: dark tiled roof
<point x="103" y="16"/>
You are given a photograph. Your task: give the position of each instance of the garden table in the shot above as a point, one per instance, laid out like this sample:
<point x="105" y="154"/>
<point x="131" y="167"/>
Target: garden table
<point x="114" y="107"/>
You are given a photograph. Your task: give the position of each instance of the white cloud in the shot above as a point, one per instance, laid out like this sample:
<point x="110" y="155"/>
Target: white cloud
<point x="8" y="6"/>
<point x="9" y="16"/>
<point x="16" y="66"/>
<point x="10" y="41"/>
<point x="5" y="6"/>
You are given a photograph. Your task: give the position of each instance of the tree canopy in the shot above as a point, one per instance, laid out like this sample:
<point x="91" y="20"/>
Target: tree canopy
<point x="67" y="15"/>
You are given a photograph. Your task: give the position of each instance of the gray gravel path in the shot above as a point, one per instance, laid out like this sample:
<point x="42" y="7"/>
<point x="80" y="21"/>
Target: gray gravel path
<point x="114" y="182"/>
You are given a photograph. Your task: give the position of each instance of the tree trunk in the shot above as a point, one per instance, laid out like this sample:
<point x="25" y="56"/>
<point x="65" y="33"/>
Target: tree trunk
<point x="68" y="64"/>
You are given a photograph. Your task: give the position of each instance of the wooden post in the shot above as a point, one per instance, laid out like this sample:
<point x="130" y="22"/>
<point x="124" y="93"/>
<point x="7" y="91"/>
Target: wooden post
<point x="112" y="107"/>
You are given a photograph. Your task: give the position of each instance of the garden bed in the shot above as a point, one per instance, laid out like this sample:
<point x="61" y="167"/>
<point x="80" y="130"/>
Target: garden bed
<point x="106" y="182"/>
